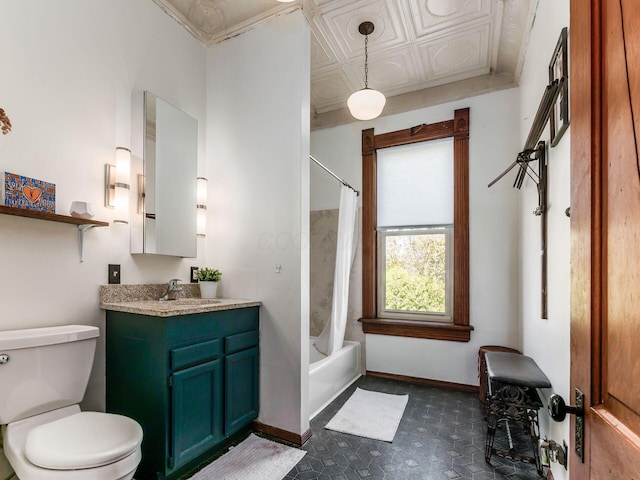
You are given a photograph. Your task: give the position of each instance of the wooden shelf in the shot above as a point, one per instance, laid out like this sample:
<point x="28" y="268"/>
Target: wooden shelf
<point x="83" y="224"/>
<point x="52" y="217"/>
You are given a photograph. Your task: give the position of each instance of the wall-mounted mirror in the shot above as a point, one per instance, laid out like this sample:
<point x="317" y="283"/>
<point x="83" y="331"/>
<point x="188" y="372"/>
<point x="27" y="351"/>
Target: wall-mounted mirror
<point x="163" y="210"/>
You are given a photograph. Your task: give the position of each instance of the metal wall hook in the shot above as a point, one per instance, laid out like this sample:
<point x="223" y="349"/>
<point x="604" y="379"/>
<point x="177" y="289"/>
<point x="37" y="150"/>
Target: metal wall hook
<point x="415" y="130"/>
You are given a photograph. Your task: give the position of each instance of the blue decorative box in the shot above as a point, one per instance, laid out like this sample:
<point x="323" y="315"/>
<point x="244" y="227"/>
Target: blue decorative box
<point x="28" y="193"/>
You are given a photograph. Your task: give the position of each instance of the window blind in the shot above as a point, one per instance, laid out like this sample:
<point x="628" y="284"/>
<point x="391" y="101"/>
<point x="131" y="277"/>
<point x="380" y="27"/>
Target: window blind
<point x="415" y="184"/>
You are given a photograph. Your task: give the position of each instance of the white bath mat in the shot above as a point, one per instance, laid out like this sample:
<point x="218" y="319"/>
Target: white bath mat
<point x="370" y="414"/>
<point x="254" y="459"/>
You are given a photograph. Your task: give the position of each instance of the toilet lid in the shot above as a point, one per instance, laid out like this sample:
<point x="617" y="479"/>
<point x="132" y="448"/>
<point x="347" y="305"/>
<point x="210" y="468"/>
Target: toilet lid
<point x="82" y="440"/>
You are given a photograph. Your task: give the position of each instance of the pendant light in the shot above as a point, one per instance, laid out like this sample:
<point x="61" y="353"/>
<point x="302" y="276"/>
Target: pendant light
<point x="366" y="104"/>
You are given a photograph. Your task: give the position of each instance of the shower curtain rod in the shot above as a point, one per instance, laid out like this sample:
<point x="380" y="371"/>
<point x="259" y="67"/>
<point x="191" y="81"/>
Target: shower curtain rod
<point x="333" y="174"/>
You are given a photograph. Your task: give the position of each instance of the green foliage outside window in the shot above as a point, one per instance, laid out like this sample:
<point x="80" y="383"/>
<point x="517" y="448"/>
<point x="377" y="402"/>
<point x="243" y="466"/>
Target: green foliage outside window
<point x="415" y="273"/>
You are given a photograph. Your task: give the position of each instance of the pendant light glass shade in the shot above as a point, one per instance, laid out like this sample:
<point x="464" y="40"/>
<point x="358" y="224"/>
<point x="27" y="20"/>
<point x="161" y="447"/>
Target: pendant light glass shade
<point x="366" y="104"/>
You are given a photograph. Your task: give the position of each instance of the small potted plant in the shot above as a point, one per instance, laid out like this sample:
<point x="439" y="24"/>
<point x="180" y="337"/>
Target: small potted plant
<point x="208" y="279"/>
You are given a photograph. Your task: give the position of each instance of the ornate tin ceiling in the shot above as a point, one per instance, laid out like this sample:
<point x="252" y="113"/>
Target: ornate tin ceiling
<point x="422" y="52"/>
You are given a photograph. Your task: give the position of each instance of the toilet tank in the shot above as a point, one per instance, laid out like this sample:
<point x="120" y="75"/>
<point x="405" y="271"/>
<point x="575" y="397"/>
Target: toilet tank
<point x="42" y="369"/>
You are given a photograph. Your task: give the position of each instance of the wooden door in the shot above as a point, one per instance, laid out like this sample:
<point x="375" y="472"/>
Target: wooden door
<point x="605" y="229"/>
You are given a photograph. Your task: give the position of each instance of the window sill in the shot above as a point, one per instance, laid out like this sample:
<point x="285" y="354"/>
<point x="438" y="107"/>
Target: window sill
<point x="417" y="329"/>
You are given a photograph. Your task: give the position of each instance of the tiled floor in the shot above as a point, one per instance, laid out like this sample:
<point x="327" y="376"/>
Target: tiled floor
<point x="441" y="436"/>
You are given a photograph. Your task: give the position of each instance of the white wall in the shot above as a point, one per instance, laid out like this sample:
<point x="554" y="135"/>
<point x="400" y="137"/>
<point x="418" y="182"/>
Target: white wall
<point x="68" y="72"/>
<point x="546" y="341"/>
<point x="257" y="149"/>
<point x="494" y="245"/>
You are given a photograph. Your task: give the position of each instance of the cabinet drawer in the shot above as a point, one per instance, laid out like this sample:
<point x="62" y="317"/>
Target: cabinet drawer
<point x="241" y="341"/>
<point x="192" y="354"/>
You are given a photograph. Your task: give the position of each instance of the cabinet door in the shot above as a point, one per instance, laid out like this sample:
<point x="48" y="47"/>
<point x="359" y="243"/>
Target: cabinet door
<point x="241" y="389"/>
<point x="196" y="411"/>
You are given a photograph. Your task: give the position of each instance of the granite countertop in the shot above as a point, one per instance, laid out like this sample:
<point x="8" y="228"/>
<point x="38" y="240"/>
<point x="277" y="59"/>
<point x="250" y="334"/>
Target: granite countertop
<point x="182" y="306"/>
<point x="142" y="299"/>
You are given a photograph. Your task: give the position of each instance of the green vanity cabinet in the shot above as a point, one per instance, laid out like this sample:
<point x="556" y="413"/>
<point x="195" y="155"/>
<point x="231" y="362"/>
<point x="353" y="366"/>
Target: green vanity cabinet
<point x="196" y="411"/>
<point x="191" y="381"/>
<point x="241" y="389"/>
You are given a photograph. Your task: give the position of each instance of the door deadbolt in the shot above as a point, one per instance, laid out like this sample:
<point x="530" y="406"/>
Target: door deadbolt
<point x="558" y="408"/>
<point x="4" y="358"/>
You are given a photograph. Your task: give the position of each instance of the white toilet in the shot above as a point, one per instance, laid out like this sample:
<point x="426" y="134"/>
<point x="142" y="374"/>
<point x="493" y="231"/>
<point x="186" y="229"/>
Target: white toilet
<point x="43" y="376"/>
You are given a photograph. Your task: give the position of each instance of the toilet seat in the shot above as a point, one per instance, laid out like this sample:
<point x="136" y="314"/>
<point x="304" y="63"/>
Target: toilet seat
<point x="14" y="437"/>
<point x="82" y="440"/>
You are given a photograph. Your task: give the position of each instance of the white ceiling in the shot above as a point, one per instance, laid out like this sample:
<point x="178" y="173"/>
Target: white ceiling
<point x="422" y="52"/>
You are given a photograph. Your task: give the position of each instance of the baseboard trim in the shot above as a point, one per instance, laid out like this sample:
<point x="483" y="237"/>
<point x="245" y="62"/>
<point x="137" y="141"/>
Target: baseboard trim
<point x="426" y="381"/>
<point x="281" y="434"/>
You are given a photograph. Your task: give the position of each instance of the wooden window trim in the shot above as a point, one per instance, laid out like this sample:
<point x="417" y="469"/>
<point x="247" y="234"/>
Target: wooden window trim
<point x="459" y="330"/>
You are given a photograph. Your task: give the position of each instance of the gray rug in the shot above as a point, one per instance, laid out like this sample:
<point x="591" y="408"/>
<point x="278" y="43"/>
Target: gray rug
<point x="370" y="414"/>
<point x="254" y="459"/>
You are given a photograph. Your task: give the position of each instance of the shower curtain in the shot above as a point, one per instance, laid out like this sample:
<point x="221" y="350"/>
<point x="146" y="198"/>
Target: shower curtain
<point x="332" y="336"/>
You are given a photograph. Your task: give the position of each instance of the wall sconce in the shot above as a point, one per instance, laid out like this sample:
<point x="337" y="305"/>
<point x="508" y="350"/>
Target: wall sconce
<point x="117" y="187"/>
<point x="201" y="206"/>
<point x="142" y="194"/>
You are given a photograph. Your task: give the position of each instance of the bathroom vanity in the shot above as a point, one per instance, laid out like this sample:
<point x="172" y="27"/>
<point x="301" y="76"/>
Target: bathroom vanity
<point x="188" y="372"/>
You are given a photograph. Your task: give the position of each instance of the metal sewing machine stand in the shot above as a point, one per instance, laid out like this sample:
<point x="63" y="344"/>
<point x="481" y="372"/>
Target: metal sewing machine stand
<point x="513" y="400"/>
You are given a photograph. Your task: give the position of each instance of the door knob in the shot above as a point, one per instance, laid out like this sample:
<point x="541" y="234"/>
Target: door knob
<point x="558" y="408"/>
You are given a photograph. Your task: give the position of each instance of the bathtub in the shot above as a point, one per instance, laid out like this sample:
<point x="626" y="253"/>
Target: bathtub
<point x="330" y="376"/>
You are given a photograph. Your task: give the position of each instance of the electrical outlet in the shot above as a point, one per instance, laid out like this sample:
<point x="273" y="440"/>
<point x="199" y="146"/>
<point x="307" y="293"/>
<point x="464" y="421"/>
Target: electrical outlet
<point x="114" y="274"/>
<point x="193" y="274"/>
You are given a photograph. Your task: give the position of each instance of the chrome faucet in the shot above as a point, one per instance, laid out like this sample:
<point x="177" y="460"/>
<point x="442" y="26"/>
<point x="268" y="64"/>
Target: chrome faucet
<point x="172" y="289"/>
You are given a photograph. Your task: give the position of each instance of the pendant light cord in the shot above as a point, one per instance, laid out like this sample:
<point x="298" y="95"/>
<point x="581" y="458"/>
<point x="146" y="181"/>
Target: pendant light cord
<point x="366" y="62"/>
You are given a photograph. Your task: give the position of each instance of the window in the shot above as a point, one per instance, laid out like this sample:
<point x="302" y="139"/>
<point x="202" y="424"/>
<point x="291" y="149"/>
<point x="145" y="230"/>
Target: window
<point x="414" y="224"/>
<point x="415" y="231"/>
<point x="414" y="273"/>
